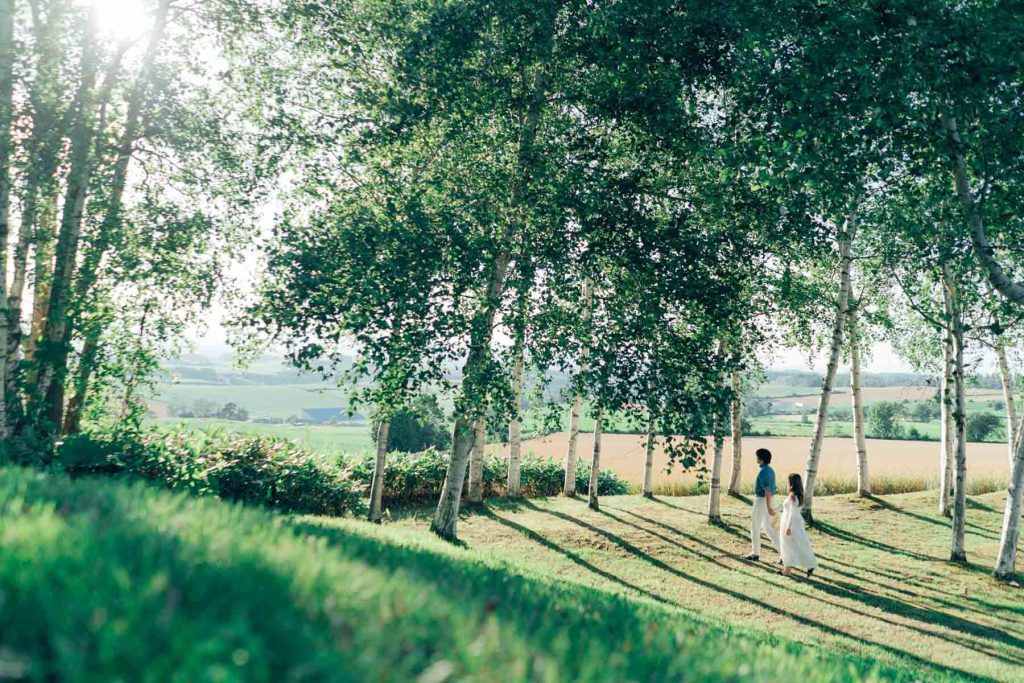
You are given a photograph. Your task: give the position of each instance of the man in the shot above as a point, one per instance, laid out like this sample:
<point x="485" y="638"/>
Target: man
<point x="764" y="511"/>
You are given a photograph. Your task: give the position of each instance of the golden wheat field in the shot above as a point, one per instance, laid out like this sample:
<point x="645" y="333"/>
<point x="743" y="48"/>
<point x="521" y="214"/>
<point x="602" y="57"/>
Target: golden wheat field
<point x="624" y="454"/>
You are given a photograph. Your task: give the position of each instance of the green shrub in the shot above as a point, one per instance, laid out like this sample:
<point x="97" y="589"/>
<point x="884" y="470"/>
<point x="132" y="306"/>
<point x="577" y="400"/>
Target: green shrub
<point x="250" y="469"/>
<point x="981" y="425"/>
<point x="417" y="477"/>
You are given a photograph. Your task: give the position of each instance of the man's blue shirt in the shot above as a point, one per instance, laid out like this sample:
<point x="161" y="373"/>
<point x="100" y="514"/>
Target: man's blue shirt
<point x="765" y="482"/>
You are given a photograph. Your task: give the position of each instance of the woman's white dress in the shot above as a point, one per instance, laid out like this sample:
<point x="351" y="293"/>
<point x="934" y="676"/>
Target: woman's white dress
<point x="796" y="546"/>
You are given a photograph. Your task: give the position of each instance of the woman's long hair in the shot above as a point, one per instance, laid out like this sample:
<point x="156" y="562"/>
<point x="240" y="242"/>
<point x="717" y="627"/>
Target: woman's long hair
<point x="796" y="485"/>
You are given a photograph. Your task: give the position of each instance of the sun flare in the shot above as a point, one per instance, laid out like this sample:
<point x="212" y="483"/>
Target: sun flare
<point x="122" y="19"/>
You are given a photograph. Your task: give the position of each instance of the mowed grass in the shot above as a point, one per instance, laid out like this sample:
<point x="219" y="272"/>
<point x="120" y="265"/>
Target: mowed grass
<point x="111" y="580"/>
<point x="884" y="590"/>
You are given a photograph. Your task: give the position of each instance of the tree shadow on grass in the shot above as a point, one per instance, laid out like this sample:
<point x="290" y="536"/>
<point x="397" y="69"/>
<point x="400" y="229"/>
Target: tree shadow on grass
<point x="857" y="594"/>
<point x="979" y="530"/>
<point x="573" y="557"/>
<point x="853" y="592"/>
<point x="798" y="618"/>
<point x="850" y="537"/>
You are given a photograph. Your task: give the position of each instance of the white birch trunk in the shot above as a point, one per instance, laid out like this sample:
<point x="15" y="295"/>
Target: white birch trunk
<point x="946" y="427"/>
<point x="958" y="551"/>
<point x="475" y="494"/>
<point x="737" y="432"/>
<point x="863" y="477"/>
<point x="446" y="516"/>
<point x="515" y="438"/>
<point x="1006" y="562"/>
<point x="1011" y="407"/>
<point x="595" y="463"/>
<point x="715" y="494"/>
<point x="6" y="144"/>
<point x="379" y="469"/>
<point x="984" y="252"/>
<point x="648" y="491"/>
<point x="845" y="242"/>
<point x="569" y="486"/>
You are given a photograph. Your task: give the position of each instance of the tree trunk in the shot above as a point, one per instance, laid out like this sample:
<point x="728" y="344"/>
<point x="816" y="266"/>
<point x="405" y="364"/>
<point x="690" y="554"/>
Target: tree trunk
<point x="54" y="347"/>
<point x="715" y="494"/>
<point x="379" y="469"/>
<point x="649" y="461"/>
<point x="737" y="432"/>
<point x="569" y="487"/>
<point x="515" y="437"/>
<point x="595" y="463"/>
<point x="983" y="249"/>
<point x="1006" y="562"/>
<point x="846" y="237"/>
<point x="863" y="478"/>
<point x="68" y="311"/>
<point x="1011" y="408"/>
<point x="6" y="145"/>
<point x="42" y="241"/>
<point x="475" y="494"/>
<point x="45" y="148"/>
<point x="446" y="515"/>
<point x="946" y="427"/>
<point x="87" y="362"/>
<point x="958" y="552"/>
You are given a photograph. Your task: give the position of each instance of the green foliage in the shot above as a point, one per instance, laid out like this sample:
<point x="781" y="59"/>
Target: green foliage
<point x="251" y="469"/>
<point x="419" y="426"/>
<point x="414" y="478"/>
<point x="883" y="420"/>
<point x="840" y="413"/>
<point x="981" y="425"/>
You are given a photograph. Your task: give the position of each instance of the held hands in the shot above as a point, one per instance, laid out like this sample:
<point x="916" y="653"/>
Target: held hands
<point x="771" y="511"/>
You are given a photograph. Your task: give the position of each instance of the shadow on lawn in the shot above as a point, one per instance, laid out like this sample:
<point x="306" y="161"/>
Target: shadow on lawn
<point x="798" y="618"/>
<point x="855" y="593"/>
<point x="979" y="530"/>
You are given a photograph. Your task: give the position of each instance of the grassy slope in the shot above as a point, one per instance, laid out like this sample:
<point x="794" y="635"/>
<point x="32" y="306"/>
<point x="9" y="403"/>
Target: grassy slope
<point x="101" y="579"/>
<point x="884" y="589"/>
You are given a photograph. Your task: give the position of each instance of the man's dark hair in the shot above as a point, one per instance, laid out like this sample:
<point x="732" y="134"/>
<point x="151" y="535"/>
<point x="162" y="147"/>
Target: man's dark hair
<point x="764" y="455"/>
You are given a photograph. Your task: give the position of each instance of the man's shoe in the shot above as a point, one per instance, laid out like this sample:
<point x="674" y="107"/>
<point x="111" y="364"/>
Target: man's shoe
<point x="752" y="557"/>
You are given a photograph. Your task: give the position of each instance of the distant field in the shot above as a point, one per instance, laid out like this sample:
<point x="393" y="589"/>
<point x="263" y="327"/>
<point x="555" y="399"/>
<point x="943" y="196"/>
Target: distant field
<point x="281" y="400"/>
<point x="624" y="453"/>
<point x="787" y="397"/>
<point x="327" y="440"/>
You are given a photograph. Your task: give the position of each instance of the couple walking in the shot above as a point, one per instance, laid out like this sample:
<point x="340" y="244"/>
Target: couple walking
<point x="794" y="544"/>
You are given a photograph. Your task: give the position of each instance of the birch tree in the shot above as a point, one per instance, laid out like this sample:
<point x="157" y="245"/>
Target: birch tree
<point x="844" y="239"/>
<point x="736" y="416"/>
<point x="860" y="444"/>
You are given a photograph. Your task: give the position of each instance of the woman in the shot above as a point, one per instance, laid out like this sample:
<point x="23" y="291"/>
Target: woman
<point x="796" y="546"/>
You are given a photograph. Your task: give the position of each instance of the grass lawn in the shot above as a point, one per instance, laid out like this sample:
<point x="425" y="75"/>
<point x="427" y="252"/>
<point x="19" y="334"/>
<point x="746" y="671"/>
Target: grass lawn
<point x="326" y="440"/>
<point x="884" y="589"/>
<point x="105" y="579"/>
